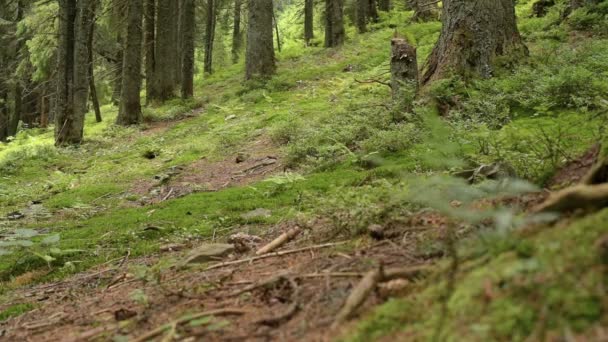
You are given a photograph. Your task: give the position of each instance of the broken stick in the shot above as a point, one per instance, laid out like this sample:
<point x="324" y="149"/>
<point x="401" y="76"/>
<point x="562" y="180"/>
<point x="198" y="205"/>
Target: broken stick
<point x="280" y="241"/>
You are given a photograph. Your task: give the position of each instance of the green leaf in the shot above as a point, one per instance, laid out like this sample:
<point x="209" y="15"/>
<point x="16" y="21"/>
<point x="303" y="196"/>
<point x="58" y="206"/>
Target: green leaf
<point x="218" y="326"/>
<point x="25" y="233"/>
<point x="51" y="239"/>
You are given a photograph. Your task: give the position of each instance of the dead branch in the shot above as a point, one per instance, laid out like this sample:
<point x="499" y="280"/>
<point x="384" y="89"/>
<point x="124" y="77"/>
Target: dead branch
<point x="187" y="319"/>
<point x="264" y="283"/>
<point x="359" y="294"/>
<point x="275" y="254"/>
<point x="405" y="272"/>
<point x="280" y="241"/>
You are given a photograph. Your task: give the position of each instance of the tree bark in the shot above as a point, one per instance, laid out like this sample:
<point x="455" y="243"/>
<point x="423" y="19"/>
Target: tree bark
<point x="66" y="130"/>
<point x="362" y="13"/>
<point x="404" y="69"/>
<point x="260" y="58"/>
<point x="4" y="112"/>
<point x="129" y="112"/>
<point x="237" y="35"/>
<point x="91" y="66"/>
<point x="210" y="36"/>
<point x="424" y="10"/>
<point x="309" y="11"/>
<point x="188" y="29"/>
<point x="373" y="11"/>
<point x="384" y="5"/>
<point x="149" y="47"/>
<point x="165" y="53"/>
<point x="334" y="23"/>
<point x="476" y="37"/>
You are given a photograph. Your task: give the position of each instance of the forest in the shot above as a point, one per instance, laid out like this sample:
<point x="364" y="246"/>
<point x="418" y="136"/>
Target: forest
<point x="303" y="170"/>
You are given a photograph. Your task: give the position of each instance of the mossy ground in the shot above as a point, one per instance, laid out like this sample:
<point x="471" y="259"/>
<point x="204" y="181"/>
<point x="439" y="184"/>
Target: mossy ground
<point x="340" y="136"/>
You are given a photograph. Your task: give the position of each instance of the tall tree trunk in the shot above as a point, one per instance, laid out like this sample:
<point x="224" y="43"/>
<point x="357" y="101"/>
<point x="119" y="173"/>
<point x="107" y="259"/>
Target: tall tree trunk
<point x="188" y="29"/>
<point x="45" y="107"/>
<point x="334" y="23"/>
<point x="210" y="35"/>
<point x="149" y="43"/>
<point x="91" y="63"/>
<point x="165" y="53"/>
<point x="373" y="11"/>
<point x="384" y="5"/>
<point x="362" y="9"/>
<point x="474" y="34"/>
<point x="276" y="30"/>
<point x="66" y="130"/>
<point x="130" y="103"/>
<point x="117" y="81"/>
<point x="237" y="35"/>
<point x="84" y="18"/>
<point x="309" y="12"/>
<point x="177" y="33"/>
<point x="15" y="116"/>
<point x="4" y="113"/>
<point x="260" y="59"/>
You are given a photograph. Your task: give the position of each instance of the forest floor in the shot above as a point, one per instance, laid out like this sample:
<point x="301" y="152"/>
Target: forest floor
<point x="104" y="231"/>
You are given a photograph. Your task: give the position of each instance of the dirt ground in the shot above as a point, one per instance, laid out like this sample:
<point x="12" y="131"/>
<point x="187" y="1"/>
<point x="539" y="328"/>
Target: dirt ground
<point x="298" y="306"/>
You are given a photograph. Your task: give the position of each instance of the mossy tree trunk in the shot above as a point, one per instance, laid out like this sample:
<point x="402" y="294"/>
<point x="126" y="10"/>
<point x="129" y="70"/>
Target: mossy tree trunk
<point x="334" y="23"/>
<point x="260" y="58"/>
<point x="188" y="29"/>
<point x="404" y="70"/>
<point x="129" y="112"/>
<point x="373" y="11"/>
<point x="476" y="37"/>
<point x="91" y="66"/>
<point x="309" y="11"/>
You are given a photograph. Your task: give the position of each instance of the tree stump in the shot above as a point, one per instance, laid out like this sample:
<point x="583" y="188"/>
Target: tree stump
<point x="404" y="70"/>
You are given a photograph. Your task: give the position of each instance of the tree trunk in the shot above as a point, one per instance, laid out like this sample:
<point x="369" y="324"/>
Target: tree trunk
<point x="66" y="131"/>
<point x="260" y="59"/>
<point x="384" y="5"/>
<point x="210" y="36"/>
<point x="362" y="13"/>
<point x="117" y="82"/>
<point x="15" y="116"/>
<point x="4" y="113"/>
<point x="237" y="35"/>
<point x="309" y="12"/>
<point x="177" y="43"/>
<point x="149" y="46"/>
<point x="84" y="17"/>
<point x="474" y="34"/>
<point x="334" y="23"/>
<point x="165" y="53"/>
<point x="404" y="70"/>
<point x="129" y="112"/>
<point x="373" y="11"/>
<point x="188" y="29"/>
<point x="91" y="63"/>
<point x="45" y="107"/>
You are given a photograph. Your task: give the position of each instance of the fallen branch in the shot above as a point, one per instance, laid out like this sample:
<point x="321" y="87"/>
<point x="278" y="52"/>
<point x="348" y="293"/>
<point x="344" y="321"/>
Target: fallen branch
<point x="280" y="241"/>
<point x="358" y="296"/>
<point x="187" y="319"/>
<point x="264" y="283"/>
<point x="370" y="282"/>
<point x="275" y="254"/>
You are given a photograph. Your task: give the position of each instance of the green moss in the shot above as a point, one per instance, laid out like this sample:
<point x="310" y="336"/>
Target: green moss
<point x="15" y="310"/>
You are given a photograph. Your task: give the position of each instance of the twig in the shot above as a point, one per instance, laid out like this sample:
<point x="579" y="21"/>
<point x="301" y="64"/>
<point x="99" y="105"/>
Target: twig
<point x="275" y="254"/>
<point x="280" y="241"/>
<point x="167" y="196"/>
<point x="187" y="319"/>
<point x="374" y="81"/>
